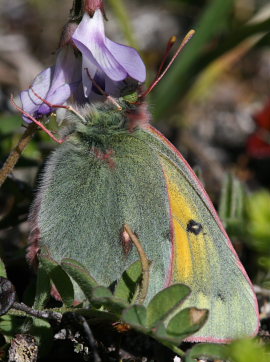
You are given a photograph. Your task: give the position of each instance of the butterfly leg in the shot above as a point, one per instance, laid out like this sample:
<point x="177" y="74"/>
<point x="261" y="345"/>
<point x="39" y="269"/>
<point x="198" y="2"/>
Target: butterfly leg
<point x="33" y="119"/>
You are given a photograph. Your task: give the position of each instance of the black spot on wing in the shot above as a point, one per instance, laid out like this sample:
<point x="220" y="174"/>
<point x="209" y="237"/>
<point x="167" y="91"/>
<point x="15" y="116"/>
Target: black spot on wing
<point x="194" y="227"/>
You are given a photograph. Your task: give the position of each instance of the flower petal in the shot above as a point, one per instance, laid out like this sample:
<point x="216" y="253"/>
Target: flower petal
<point x="102" y="58"/>
<point x="90" y="29"/>
<point x="88" y="68"/>
<point x="129" y="59"/>
<point x="67" y="70"/>
<point x="113" y="88"/>
<point x="117" y="61"/>
<point x="55" y="84"/>
<point x="41" y="85"/>
<point x="59" y="97"/>
<point x="89" y="38"/>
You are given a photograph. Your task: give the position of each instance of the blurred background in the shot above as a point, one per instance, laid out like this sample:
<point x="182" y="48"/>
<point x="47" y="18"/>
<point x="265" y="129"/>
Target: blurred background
<point x="214" y="105"/>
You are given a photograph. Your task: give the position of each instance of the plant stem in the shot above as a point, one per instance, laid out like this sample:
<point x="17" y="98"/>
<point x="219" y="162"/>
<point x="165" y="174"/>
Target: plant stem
<point x="37" y="313"/>
<point x="86" y="312"/>
<point x="16" y="153"/>
<point x="76" y="10"/>
<point x="175" y="349"/>
<point x="145" y="264"/>
<point x="77" y="318"/>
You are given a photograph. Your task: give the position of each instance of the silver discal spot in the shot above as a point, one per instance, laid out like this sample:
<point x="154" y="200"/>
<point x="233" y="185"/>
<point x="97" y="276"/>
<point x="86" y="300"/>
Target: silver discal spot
<point x="194" y="227"/>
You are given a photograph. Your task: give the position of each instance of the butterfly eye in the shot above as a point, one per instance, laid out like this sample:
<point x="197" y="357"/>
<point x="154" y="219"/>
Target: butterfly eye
<point x="194" y="227"/>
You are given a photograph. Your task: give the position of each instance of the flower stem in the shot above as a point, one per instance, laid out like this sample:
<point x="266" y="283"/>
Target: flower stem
<point x="16" y="153"/>
<point x="120" y="11"/>
<point x="77" y="9"/>
<point x="174" y="348"/>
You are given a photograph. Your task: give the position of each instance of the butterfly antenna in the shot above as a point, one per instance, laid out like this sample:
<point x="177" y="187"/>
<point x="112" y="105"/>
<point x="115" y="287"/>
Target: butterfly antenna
<point x="170" y="44"/>
<point x="102" y="91"/>
<point x="41" y="125"/>
<point x="69" y="108"/>
<point x="186" y="39"/>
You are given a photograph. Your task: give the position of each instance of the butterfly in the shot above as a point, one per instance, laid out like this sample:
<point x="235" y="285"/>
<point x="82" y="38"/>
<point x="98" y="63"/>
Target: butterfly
<point x="115" y="169"/>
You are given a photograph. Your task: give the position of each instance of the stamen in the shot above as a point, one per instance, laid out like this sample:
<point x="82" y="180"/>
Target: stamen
<point x="102" y="91"/>
<point x="186" y="39"/>
<point x="41" y="125"/>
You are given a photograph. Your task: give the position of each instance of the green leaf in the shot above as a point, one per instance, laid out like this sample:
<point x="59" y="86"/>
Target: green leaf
<point x="43" y="288"/>
<point x="187" y="322"/>
<point x="43" y="333"/>
<point x="208" y="351"/>
<point x="182" y="325"/>
<point x="9" y="325"/>
<point x="165" y="303"/>
<point x="103" y="296"/>
<point x="127" y="286"/>
<point x="249" y="350"/>
<point x="81" y="276"/>
<point x="10" y="124"/>
<point x="259" y="215"/>
<point x="3" y="272"/>
<point x="101" y="292"/>
<point x="59" y="278"/>
<point x="160" y="333"/>
<point x="136" y="317"/>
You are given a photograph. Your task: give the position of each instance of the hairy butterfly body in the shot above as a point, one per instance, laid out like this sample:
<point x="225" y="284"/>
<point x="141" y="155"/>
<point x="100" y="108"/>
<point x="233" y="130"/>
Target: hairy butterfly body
<point x="116" y="169"/>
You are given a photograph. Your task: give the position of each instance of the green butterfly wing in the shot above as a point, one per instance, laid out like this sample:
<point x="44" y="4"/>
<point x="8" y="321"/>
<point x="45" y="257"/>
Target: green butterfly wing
<point x="203" y="257"/>
<point x="84" y="201"/>
<point x="86" y="197"/>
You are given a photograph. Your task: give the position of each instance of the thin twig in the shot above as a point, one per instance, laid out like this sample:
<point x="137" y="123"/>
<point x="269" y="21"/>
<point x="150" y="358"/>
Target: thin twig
<point x="83" y="311"/>
<point x="16" y="153"/>
<point x="90" y="339"/>
<point x="145" y="264"/>
<point x="175" y="349"/>
<point x="37" y="313"/>
<point x="87" y="332"/>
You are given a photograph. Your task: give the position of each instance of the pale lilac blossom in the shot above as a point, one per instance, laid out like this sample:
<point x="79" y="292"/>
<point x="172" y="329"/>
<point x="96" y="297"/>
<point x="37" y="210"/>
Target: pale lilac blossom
<point x="108" y="63"/>
<point x="55" y="84"/>
<point x="110" y="60"/>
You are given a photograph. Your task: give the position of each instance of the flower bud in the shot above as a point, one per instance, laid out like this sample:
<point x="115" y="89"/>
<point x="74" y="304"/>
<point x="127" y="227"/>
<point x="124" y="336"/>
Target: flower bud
<point x="91" y="6"/>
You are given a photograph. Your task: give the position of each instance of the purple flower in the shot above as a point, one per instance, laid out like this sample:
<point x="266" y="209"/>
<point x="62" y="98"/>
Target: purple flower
<point x="55" y="84"/>
<point x="101" y="60"/>
<point x="108" y="60"/>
